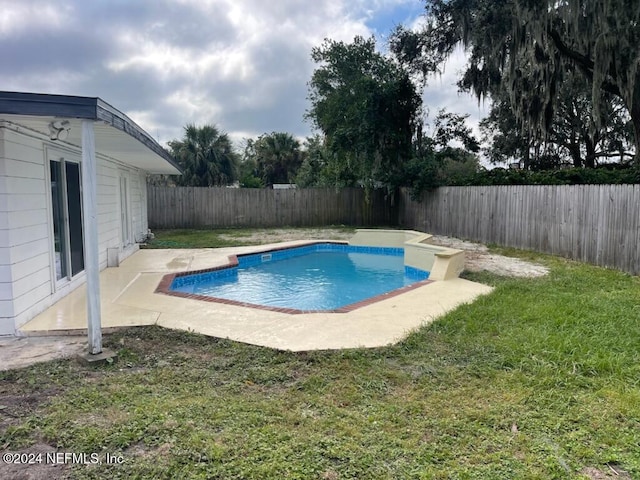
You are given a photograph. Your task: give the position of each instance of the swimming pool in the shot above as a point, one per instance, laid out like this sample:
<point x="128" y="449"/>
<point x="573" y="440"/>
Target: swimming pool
<point x="317" y="277"/>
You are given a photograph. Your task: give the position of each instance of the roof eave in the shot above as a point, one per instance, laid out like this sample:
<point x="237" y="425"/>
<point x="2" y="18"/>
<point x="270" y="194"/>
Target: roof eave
<point x="88" y="108"/>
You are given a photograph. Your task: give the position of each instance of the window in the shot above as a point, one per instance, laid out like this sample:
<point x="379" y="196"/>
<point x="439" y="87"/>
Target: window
<point x="67" y="218"/>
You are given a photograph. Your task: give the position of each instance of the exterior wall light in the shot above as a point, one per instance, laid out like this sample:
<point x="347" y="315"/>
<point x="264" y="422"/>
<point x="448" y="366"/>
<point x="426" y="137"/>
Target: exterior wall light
<point x="59" y="130"/>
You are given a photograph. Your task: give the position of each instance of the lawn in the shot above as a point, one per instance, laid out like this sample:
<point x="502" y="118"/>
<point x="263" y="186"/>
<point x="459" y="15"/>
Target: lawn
<point x="538" y="380"/>
<point x="233" y="237"/>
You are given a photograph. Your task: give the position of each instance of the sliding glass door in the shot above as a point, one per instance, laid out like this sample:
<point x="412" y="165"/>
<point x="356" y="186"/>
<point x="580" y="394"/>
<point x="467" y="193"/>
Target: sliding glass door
<point x="67" y="218"/>
<point x="59" y="231"/>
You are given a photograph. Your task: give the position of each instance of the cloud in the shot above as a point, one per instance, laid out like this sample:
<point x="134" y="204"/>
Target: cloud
<point x="241" y="64"/>
<point x="442" y="92"/>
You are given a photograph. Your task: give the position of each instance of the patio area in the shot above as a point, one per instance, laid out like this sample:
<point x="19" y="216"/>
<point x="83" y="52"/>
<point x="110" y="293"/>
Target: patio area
<point x="129" y="299"/>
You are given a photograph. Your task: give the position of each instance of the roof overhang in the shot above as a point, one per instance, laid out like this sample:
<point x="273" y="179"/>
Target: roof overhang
<point x="116" y="135"/>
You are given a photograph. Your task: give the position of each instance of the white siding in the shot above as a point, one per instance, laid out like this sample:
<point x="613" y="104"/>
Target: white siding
<point x="24" y="218"/>
<point x="21" y="169"/>
<point x="6" y="291"/>
<point x="23" y="235"/>
<point x="136" y="201"/>
<point x="143" y="203"/>
<point x="26" y="250"/>
<point x="6" y="317"/>
<point x="27" y="267"/>
<point x="109" y="235"/>
<point x="25" y="307"/>
<point x="26" y="270"/>
<point x="108" y="215"/>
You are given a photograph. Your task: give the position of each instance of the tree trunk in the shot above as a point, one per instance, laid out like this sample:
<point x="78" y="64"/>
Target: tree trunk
<point x="634" y="112"/>
<point x="635" y="119"/>
<point x="574" y="150"/>
<point x="590" y="159"/>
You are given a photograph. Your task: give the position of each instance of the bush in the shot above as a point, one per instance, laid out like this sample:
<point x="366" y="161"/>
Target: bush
<point x="608" y="174"/>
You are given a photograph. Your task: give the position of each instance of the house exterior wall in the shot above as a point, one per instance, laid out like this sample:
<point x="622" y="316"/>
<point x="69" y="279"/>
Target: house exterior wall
<point x="27" y="271"/>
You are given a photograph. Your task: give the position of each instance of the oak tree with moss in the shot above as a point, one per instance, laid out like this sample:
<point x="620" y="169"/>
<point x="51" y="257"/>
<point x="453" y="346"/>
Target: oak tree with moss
<point x="527" y="47"/>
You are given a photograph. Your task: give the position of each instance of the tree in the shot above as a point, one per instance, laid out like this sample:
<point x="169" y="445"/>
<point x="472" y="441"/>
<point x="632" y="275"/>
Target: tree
<point x="314" y="172"/>
<point x="437" y="160"/>
<point x="248" y="174"/>
<point x="206" y="156"/>
<point x="277" y="157"/>
<point x="367" y="107"/>
<point x="573" y="138"/>
<point x="528" y="46"/>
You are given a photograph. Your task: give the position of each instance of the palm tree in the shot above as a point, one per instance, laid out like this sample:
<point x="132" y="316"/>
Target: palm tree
<point x="278" y="157"/>
<point x="206" y="155"/>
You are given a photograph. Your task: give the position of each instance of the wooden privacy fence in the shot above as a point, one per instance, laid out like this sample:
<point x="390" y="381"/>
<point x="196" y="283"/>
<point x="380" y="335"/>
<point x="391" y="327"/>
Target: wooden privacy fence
<point x="201" y="207"/>
<point x="599" y="224"/>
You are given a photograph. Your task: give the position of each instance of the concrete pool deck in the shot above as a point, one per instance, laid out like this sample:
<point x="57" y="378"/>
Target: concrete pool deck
<point x="128" y="299"/>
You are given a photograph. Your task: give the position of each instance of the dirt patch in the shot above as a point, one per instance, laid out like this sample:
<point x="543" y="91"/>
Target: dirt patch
<point x="19" y="400"/>
<point x="289" y="234"/>
<point x="615" y="471"/>
<point x="18" y="352"/>
<point x="478" y="258"/>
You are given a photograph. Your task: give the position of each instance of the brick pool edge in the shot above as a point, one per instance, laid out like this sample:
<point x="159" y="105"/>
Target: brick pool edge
<point x="164" y="287"/>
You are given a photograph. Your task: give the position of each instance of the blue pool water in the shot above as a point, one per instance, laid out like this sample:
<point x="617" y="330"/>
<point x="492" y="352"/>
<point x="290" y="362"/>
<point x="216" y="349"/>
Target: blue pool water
<point x="314" y="277"/>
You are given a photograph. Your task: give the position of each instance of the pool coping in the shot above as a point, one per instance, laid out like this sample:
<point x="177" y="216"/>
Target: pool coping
<point x="128" y="299"/>
<point x="164" y="287"/>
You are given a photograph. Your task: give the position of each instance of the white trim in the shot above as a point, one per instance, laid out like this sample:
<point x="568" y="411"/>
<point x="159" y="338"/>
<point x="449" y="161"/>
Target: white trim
<point x="62" y="155"/>
<point x="144" y="217"/>
<point x="61" y="144"/>
<point x="127" y="210"/>
<point x="49" y="206"/>
<point x="91" y="241"/>
<point x="59" y="149"/>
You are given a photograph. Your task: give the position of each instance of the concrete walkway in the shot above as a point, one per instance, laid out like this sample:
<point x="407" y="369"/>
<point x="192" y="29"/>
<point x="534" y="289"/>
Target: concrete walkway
<point x="19" y="352"/>
<point x="128" y="299"/>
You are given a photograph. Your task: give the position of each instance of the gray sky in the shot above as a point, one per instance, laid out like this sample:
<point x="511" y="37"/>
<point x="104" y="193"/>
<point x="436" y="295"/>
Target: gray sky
<point x="240" y="64"/>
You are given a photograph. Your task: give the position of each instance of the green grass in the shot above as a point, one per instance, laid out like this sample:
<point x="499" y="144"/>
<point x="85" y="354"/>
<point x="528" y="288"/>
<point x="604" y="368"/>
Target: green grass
<point x="538" y="380"/>
<point x="231" y="237"/>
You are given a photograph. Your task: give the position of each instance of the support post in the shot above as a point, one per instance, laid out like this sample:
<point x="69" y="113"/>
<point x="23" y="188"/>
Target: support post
<point x="90" y="224"/>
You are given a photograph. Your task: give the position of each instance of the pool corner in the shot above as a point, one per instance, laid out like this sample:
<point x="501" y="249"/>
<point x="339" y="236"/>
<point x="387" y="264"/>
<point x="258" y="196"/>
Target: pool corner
<point x="442" y="263"/>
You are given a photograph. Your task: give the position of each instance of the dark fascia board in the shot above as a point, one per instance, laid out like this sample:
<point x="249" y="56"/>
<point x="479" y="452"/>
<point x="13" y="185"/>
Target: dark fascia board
<point x="88" y="108"/>
<point x="119" y="120"/>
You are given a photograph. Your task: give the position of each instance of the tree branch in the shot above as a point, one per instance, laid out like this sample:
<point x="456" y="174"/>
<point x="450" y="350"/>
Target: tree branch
<point x="583" y="62"/>
<point x="614" y="154"/>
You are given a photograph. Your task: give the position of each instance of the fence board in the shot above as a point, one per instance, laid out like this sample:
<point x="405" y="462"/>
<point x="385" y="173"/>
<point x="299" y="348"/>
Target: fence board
<point x="599" y="224"/>
<point x="195" y="207"/>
